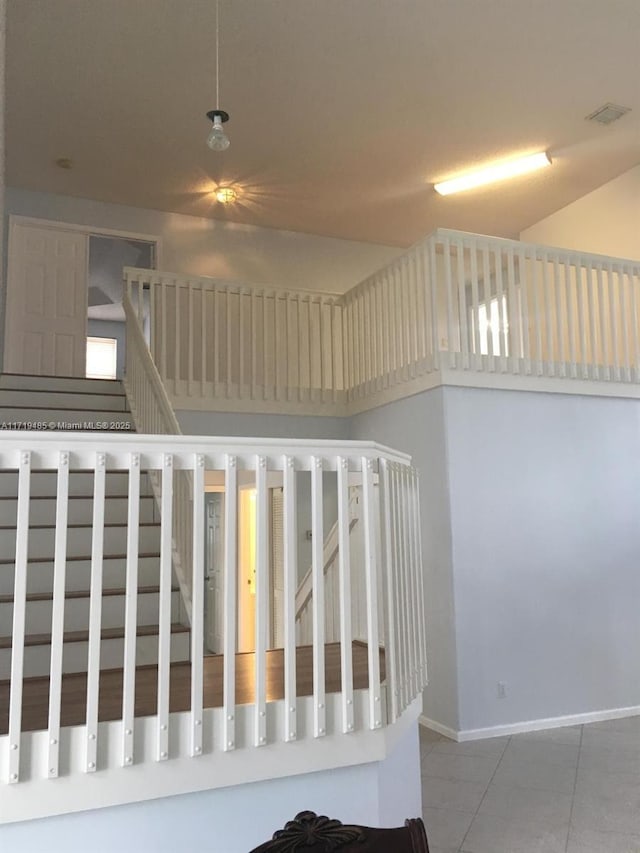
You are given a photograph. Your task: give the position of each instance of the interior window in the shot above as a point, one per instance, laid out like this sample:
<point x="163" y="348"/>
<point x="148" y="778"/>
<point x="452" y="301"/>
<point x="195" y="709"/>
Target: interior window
<point x="101" y="358"/>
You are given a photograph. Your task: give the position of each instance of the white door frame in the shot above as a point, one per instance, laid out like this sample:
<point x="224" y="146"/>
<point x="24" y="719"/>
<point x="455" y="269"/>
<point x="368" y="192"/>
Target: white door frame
<point x="89" y="230"/>
<point x="16" y="220"/>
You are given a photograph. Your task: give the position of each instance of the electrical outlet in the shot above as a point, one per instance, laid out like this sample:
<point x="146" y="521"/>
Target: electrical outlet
<point x="502" y="690"/>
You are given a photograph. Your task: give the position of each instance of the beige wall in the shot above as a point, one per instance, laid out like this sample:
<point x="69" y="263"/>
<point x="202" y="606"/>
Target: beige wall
<point x="605" y="221"/>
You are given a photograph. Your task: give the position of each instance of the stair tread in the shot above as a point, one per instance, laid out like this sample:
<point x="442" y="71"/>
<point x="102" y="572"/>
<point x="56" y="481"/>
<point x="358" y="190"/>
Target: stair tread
<point x="11" y="561"/>
<point x="112" y="382"/>
<point x="81" y="525"/>
<point x="83" y="636"/>
<point x="88" y="497"/>
<point x="85" y="593"/>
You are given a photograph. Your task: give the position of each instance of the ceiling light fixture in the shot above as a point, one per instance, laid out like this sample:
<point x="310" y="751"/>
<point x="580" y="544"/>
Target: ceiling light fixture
<point x="226" y="195"/>
<point x="217" y="139"/>
<point x="497" y="172"/>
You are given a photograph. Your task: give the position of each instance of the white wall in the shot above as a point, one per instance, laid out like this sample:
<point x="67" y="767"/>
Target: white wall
<point x="212" y="247"/>
<point x="235" y="820"/>
<point x="416" y="425"/>
<point x="545" y="509"/>
<point x="605" y="221"/>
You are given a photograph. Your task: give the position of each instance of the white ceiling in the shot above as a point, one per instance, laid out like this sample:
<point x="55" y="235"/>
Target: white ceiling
<point x="343" y="112"/>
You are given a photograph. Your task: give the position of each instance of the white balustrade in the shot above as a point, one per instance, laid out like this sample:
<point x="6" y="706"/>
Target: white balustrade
<point x="455" y="301"/>
<point x="372" y="486"/>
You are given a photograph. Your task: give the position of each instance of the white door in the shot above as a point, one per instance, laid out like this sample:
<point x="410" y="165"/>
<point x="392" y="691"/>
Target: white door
<point x="214" y="577"/>
<point x="46" y="315"/>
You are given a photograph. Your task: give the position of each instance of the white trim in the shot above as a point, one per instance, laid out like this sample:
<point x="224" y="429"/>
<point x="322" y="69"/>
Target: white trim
<point x="531" y="725"/>
<point x="446" y="377"/>
<point x="90" y="230"/>
<point x="427" y="723"/>
<point x="148" y="780"/>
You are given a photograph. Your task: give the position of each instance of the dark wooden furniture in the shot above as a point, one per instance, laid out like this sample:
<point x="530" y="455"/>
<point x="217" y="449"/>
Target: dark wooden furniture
<point x="312" y="833"/>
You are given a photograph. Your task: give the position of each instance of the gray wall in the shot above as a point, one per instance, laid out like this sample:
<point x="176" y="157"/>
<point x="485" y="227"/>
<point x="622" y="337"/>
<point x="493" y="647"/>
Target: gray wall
<point x="545" y="511"/>
<point x="416" y="425"/>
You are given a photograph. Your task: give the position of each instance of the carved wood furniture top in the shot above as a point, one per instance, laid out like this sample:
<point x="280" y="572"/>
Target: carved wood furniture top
<point x="319" y="834"/>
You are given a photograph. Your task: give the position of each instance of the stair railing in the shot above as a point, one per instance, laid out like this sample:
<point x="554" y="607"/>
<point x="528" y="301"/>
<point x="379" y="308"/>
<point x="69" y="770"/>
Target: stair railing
<point x="153" y="414"/>
<point x="331" y="700"/>
<point x="304" y="593"/>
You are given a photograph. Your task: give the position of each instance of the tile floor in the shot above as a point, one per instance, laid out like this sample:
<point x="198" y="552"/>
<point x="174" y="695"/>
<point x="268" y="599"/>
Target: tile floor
<point x="569" y="790"/>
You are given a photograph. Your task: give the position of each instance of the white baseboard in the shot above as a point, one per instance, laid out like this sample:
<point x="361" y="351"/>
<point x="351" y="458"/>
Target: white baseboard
<point x="530" y="725"/>
<point x="452" y="734"/>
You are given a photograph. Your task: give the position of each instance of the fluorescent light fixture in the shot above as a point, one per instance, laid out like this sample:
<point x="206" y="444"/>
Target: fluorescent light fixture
<point x="497" y="172"/>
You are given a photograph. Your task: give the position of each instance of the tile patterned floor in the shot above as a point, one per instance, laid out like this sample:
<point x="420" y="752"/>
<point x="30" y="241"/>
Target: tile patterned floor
<point x="569" y="790"/>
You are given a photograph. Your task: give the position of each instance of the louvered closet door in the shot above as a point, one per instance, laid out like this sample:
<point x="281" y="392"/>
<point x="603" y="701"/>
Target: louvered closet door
<point x="46" y="318"/>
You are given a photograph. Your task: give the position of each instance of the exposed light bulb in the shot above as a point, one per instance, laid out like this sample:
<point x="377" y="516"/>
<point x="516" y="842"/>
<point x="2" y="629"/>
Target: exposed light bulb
<point x="226" y="195"/>
<point x="217" y="139"/>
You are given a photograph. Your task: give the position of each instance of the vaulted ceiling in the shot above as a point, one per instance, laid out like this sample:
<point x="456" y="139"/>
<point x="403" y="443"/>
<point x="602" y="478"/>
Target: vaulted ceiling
<point x="343" y="112"/>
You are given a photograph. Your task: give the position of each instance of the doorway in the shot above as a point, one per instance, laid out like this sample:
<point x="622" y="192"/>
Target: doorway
<point x="246" y="570"/>
<point x="64" y="284"/>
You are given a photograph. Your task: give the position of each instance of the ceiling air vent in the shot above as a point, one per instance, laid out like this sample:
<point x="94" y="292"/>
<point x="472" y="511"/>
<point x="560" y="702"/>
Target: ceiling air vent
<point x="608" y="113"/>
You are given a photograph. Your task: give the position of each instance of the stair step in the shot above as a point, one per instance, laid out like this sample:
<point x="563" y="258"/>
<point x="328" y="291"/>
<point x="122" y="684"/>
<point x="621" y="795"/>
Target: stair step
<point x="39" y="612"/>
<point x="43" y="483"/>
<point x="78" y="573"/>
<point x="37" y="654"/>
<point x="42" y="509"/>
<point x="61" y="420"/>
<point x="20" y="381"/>
<point x="83" y="636"/>
<point x="63" y="400"/>
<point x="84" y="593"/>
<point x="79" y="540"/>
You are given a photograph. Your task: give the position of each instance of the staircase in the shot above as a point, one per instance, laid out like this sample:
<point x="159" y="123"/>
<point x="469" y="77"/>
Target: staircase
<point x="60" y="404"/>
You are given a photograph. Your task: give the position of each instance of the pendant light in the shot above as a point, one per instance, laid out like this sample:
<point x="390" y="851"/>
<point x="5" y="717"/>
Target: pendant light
<point x="218" y="139"/>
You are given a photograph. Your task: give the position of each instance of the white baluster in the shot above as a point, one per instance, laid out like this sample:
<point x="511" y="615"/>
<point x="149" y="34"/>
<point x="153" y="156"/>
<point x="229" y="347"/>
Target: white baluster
<point x="130" y="610"/>
<point x="197" y="606"/>
<point x="177" y="338"/>
<point x="344" y="582"/>
<point x="190" y="337"/>
<point x="625" y="314"/>
<point x="216" y="341"/>
<point x="317" y="543"/>
<point x="19" y="613"/>
<point x="95" y="612"/>
<point x="290" y="585"/>
<point x="571" y="321"/>
<point x="57" y="619"/>
<point x="605" y="373"/>
<point x="462" y="305"/>
<point x="163" y="339"/>
<point x="230" y="600"/>
<point x="448" y="283"/>
<point x="614" y="314"/>
<point x="164" y="609"/>
<point x="524" y="308"/>
<point x="634" y="283"/>
<point x="262" y="601"/>
<point x="420" y="592"/>
<point x="487" y="294"/>
<point x="475" y="308"/>
<point x="371" y="568"/>
<point x="391" y="645"/>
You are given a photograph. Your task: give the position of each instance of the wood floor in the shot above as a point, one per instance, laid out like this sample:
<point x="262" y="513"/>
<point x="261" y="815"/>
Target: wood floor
<point x="35" y="698"/>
